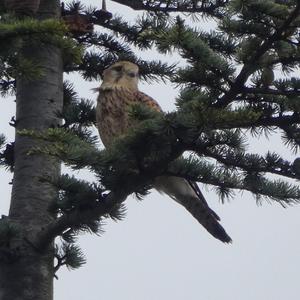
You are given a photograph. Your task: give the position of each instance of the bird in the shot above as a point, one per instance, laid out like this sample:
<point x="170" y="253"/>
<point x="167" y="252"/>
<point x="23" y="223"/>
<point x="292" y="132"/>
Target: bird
<point x="118" y="91"/>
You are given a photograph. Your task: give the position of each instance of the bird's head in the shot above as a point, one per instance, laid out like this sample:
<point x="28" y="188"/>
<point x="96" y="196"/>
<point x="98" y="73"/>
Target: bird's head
<point x="122" y="74"/>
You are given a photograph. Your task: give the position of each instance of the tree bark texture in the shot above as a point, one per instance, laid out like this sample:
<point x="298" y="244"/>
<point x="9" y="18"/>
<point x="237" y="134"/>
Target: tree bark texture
<point x="30" y="275"/>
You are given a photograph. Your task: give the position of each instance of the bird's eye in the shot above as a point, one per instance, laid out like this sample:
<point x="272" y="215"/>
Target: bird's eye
<point x="117" y="68"/>
<point x="131" y="74"/>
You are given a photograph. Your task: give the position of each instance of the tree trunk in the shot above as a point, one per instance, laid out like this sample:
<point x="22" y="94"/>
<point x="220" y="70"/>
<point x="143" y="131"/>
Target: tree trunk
<point x="30" y="276"/>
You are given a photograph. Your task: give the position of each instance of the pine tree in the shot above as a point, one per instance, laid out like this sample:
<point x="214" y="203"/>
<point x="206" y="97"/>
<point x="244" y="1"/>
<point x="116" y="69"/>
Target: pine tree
<point x="230" y="88"/>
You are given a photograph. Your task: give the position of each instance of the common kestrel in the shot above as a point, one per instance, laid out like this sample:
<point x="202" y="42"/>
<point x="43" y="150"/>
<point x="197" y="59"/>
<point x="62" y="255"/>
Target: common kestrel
<point x="118" y="91"/>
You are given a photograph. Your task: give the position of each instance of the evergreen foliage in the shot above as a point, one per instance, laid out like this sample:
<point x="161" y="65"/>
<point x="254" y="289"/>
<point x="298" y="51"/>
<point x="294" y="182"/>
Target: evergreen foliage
<point x="15" y="34"/>
<point x="6" y="153"/>
<point x="229" y="88"/>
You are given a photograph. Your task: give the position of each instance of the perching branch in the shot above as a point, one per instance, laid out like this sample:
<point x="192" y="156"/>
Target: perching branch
<point x="147" y="170"/>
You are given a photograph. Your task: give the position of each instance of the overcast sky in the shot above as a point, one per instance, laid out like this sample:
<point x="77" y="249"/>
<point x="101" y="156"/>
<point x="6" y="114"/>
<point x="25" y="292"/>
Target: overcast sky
<point x="159" y="252"/>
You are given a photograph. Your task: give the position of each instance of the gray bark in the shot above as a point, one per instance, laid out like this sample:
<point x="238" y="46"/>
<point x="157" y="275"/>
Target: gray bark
<point x="30" y="276"/>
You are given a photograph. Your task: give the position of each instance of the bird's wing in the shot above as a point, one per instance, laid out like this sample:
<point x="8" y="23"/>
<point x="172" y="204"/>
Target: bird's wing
<point x="189" y="195"/>
<point x="148" y="101"/>
<point x="186" y="192"/>
<point x="198" y="192"/>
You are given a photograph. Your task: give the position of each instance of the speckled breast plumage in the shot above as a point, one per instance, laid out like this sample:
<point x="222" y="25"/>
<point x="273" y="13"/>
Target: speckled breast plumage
<point x="112" y="111"/>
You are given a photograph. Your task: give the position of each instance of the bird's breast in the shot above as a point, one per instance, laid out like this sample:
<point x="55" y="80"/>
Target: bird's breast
<point x="112" y="113"/>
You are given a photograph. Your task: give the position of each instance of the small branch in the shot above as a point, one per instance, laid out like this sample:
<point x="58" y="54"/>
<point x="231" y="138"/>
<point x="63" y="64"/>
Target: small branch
<point x="267" y="91"/>
<point x="264" y="121"/>
<point x="247" y="69"/>
<point x="278" y="169"/>
<point x="167" y="7"/>
<point x="276" y="121"/>
<point x="284" y="200"/>
<point x="60" y="263"/>
<point x="76" y="218"/>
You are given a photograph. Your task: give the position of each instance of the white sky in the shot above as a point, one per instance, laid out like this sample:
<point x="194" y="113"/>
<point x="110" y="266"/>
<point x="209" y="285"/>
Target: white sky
<point x="160" y="252"/>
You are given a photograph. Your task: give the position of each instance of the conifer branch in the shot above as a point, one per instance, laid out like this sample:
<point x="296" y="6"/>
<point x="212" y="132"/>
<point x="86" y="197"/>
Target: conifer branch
<point x="31" y="27"/>
<point x="271" y="163"/>
<point x="269" y="91"/>
<point x="195" y="169"/>
<point x="247" y="69"/>
<point x="210" y="8"/>
<point x="76" y="219"/>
